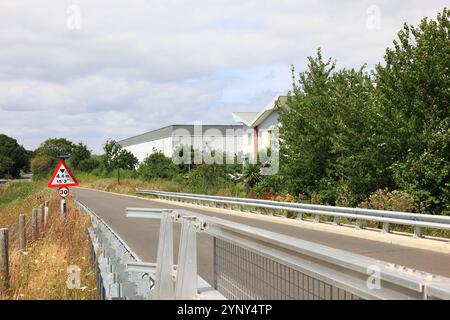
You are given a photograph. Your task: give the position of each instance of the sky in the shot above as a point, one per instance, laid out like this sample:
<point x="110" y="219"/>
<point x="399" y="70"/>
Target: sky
<point x="92" y="70"/>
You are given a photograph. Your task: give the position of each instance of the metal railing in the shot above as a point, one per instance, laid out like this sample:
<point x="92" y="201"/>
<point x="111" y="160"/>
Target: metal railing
<point x="269" y="207"/>
<point x="110" y="254"/>
<point x="253" y="263"/>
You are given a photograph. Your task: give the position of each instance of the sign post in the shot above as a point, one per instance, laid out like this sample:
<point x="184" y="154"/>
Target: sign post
<point x="62" y="178"/>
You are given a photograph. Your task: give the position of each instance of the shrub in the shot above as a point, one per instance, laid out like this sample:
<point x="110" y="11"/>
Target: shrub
<point x="208" y="179"/>
<point x="269" y="185"/>
<point x="157" y="165"/>
<point x="396" y="200"/>
<point x="251" y="174"/>
<point x="88" y="165"/>
<point x="42" y="166"/>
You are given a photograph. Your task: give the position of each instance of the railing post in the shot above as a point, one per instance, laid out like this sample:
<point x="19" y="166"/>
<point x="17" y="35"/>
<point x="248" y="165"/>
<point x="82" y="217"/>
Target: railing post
<point x="164" y="286"/>
<point x="417" y="232"/>
<point x="4" y="260"/>
<point x="63" y="208"/>
<point x="386" y="227"/>
<point x="316" y="218"/>
<point x="22" y="233"/>
<point x="336" y="220"/>
<point x="358" y="224"/>
<point x="34" y="224"/>
<point x="186" y="284"/>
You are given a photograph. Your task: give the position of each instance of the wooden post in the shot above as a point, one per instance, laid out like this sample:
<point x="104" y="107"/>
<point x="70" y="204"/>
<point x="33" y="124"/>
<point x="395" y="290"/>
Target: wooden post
<point x="4" y="260"/>
<point x="45" y="213"/>
<point x="34" y="224"/>
<point x="42" y="223"/>
<point x="22" y="233"/>
<point x="40" y="215"/>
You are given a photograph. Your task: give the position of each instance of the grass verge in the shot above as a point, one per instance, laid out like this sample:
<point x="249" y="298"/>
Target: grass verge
<point x="41" y="271"/>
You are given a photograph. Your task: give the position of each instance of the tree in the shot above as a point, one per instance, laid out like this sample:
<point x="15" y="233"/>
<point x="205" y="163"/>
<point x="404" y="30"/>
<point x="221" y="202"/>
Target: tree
<point x="112" y="150"/>
<point x="13" y="157"/>
<point x="55" y="147"/>
<point x="80" y="152"/>
<point x="305" y="150"/>
<point x="331" y="135"/>
<point x="413" y="85"/>
<point x="156" y="165"/>
<point x="117" y="158"/>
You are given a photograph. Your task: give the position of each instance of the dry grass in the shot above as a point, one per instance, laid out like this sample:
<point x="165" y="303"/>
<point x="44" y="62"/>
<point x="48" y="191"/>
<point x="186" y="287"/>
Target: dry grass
<point x="41" y="271"/>
<point x="19" y="198"/>
<point x="127" y="186"/>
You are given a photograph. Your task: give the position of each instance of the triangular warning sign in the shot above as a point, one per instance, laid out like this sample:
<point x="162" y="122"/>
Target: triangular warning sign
<point x="62" y="177"/>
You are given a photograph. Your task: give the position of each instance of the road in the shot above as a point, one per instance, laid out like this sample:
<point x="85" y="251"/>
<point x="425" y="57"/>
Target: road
<point x="142" y="235"/>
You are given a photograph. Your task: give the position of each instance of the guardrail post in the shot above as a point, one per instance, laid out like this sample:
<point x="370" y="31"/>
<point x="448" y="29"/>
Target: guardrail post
<point x="358" y="224"/>
<point x="386" y="227"/>
<point x="22" y="233"/>
<point x="316" y="218"/>
<point x="417" y="232"/>
<point x="4" y="260"/>
<point x="299" y="216"/>
<point x="164" y="288"/>
<point x="336" y="220"/>
<point x="34" y="224"/>
<point x="186" y="284"/>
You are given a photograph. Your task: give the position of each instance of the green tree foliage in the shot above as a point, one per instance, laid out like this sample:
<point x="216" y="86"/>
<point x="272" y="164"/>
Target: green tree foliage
<point x="42" y="166"/>
<point x="90" y="164"/>
<point x="79" y="153"/>
<point x="13" y="157"/>
<point x="46" y="156"/>
<point x="346" y="133"/>
<point x="55" y="147"/>
<point x="414" y="90"/>
<point x="116" y="157"/>
<point x="157" y="165"/>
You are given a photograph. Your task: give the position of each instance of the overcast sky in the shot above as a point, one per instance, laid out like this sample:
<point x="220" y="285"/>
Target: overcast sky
<point x="92" y="70"/>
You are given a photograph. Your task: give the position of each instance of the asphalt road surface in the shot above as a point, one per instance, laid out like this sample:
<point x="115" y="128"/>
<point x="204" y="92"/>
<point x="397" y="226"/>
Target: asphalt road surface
<point x="142" y="235"/>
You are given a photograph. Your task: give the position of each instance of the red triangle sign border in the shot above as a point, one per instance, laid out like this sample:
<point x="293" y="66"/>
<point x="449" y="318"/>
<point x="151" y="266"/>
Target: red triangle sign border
<point x="73" y="184"/>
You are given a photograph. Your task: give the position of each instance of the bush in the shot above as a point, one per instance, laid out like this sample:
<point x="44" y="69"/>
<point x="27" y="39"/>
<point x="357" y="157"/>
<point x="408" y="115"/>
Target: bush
<point x="395" y="200"/>
<point x="157" y="165"/>
<point x="269" y="185"/>
<point x="88" y="165"/>
<point x="208" y="179"/>
<point x="252" y="174"/>
<point x="42" y="166"/>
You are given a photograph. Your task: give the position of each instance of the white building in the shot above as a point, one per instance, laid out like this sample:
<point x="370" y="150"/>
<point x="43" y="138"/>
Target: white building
<point x="255" y="133"/>
<point x="226" y="138"/>
<point x="260" y="128"/>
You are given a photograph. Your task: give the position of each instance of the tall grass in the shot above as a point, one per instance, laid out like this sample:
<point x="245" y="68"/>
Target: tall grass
<point x="41" y="272"/>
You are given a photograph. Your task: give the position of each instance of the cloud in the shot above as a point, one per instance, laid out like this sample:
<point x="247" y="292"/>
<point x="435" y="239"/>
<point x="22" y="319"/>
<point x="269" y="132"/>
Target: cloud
<point x="138" y="65"/>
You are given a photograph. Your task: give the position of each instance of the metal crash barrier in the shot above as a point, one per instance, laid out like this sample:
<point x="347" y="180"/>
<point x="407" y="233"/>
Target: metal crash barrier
<point x="248" y="263"/>
<point x="253" y="263"/>
<point x="269" y="207"/>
